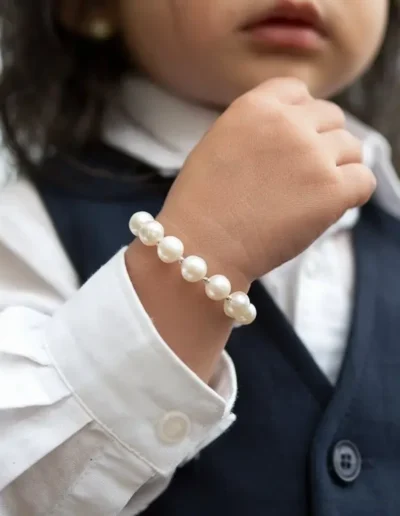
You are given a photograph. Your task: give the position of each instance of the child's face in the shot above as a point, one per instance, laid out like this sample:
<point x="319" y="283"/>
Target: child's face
<point x="199" y="49"/>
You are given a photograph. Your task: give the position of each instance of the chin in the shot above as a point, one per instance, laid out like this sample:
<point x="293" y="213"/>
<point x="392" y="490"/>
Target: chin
<point x="283" y="66"/>
<point x="221" y="90"/>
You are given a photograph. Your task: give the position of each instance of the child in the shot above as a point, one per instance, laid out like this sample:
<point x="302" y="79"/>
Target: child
<point x="116" y="394"/>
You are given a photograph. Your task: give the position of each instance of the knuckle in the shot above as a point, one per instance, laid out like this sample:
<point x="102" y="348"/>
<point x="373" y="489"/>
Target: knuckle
<point x="330" y="177"/>
<point x="311" y="148"/>
<point x="348" y="138"/>
<point x="290" y="82"/>
<point x="253" y="100"/>
<point x="368" y="180"/>
<point x="264" y="105"/>
<point x="238" y="104"/>
<point x="364" y="196"/>
<point x="337" y="113"/>
<point x="245" y="110"/>
<point x="373" y="180"/>
<point x="335" y="181"/>
<point x="305" y="145"/>
<point x="361" y="187"/>
<point x="288" y="90"/>
<point x="349" y="141"/>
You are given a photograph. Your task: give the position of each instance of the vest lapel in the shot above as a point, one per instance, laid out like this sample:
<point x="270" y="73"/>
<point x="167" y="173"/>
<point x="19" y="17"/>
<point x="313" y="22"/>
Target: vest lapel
<point x="278" y="328"/>
<point x="377" y="279"/>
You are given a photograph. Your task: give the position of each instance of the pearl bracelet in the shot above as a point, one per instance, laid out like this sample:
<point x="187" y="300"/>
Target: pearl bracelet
<point x="193" y="268"/>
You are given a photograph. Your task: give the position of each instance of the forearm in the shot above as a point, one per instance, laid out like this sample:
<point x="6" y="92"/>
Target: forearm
<point x="194" y="326"/>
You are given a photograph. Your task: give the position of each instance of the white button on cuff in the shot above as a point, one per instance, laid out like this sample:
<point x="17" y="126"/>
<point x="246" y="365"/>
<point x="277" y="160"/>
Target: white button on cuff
<point x="174" y="427"/>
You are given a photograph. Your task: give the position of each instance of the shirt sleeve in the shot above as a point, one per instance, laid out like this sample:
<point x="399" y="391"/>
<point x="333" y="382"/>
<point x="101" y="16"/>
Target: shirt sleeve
<point x="95" y="408"/>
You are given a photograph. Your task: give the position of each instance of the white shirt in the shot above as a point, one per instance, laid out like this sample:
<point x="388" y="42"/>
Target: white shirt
<point x="96" y="412"/>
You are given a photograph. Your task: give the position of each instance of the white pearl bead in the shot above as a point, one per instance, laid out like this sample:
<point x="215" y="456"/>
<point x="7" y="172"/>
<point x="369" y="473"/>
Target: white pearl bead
<point x="218" y="287"/>
<point x="151" y="233"/>
<point x="239" y="302"/>
<point x="193" y="269"/>
<point x="228" y="309"/>
<point x="247" y="315"/>
<point x="170" y="249"/>
<point x="137" y="220"/>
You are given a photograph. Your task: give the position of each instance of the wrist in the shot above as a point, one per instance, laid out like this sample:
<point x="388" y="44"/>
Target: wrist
<point x="203" y="237"/>
<point x="167" y="298"/>
<point x="194" y="327"/>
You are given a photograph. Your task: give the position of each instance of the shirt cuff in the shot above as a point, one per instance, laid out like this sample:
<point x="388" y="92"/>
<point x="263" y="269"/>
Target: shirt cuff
<point x="109" y="353"/>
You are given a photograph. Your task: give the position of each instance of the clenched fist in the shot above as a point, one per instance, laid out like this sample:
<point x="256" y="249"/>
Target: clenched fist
<point x="273" y="173"/>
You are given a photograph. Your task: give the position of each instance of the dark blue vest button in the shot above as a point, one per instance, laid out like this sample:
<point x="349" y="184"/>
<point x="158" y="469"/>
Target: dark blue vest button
<point x="347" y="461"/>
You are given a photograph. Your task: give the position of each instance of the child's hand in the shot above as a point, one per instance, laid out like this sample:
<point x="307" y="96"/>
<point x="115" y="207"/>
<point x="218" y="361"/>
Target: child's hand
<point x="276" y="170"/>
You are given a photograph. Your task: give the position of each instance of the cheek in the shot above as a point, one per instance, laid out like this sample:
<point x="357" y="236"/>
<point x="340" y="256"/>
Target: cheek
<point x="146" y="28"/>
<point x="363" y="31"/>
<point x="182" y="44"/>
<point x="167" y="33"/>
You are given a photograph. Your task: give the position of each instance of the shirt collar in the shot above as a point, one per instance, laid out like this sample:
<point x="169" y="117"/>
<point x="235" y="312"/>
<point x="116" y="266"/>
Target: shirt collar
<point x="160" y="129"/>
<point x="154" y="126"/>
<point x="378" y="156"/>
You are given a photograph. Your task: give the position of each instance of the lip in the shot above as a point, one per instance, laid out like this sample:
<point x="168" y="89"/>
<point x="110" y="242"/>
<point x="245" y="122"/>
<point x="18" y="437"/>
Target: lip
<point x="289" y="25"/>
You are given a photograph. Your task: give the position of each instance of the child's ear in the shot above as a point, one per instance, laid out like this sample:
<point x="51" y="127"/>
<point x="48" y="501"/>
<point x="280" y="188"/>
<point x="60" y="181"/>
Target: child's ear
<point x="96" y="20"/>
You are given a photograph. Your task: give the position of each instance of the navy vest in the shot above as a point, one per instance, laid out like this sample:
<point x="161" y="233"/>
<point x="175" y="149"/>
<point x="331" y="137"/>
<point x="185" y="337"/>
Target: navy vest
<point x="300" y="447"/>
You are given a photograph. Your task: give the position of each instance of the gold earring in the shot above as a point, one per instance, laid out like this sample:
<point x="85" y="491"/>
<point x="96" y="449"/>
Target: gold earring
<point x="101" y="29"/>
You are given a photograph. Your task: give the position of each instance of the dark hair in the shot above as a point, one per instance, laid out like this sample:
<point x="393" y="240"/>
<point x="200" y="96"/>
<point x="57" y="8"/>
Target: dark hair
<point x="54" y="83"/>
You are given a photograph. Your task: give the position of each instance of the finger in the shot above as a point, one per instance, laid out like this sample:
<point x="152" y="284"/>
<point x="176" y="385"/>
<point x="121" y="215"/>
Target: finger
<point x="359" y="183"/>
<point x="323" y="115"/>
<point x="343" y="146"/>
<point x="287" y="90"/>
